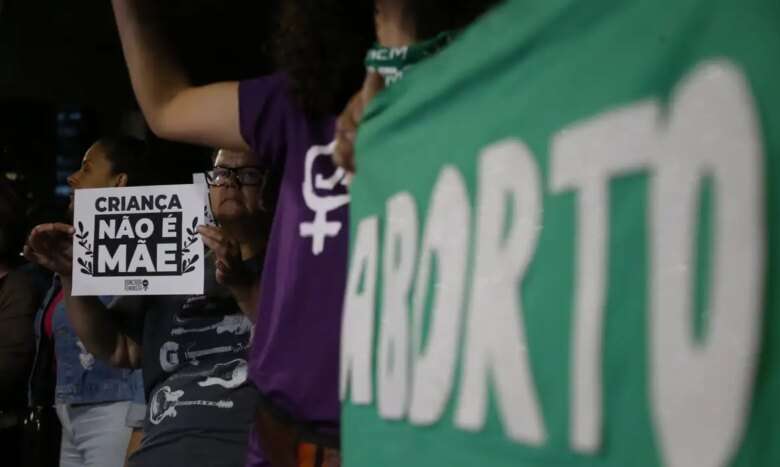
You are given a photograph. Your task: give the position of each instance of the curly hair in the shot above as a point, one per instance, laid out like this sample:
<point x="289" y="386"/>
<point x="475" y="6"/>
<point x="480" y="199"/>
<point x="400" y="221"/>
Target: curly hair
<point x="430" y="17"/>
<point x="321" y="45"/>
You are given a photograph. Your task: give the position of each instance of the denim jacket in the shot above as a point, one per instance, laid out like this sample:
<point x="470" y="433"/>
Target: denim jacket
<point x="81" y="378"/>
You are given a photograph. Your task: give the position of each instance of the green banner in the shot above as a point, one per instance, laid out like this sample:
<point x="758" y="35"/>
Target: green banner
<point x="564" y="244"/>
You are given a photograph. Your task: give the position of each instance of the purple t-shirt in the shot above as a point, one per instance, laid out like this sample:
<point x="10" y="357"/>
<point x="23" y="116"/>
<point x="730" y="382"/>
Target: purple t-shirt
<point x="294" y="359"/>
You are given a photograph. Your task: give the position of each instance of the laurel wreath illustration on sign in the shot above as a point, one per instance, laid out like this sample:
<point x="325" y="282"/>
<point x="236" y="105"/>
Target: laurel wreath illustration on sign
<point x="188" y="262"/>
<point x="82" y="237"/>
<point x="207" y="215"/>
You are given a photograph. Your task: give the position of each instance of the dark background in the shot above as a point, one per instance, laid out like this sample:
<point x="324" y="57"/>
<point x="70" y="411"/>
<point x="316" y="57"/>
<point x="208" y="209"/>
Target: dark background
<point x="63" y="82"/>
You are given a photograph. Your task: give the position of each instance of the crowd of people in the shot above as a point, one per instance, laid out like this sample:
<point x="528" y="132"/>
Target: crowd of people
<point x="446" y="234"/>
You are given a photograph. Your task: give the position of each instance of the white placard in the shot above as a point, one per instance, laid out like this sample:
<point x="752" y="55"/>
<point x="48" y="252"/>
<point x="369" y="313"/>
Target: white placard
<point x="199" y="179"/>
<point x="138" y="241"/>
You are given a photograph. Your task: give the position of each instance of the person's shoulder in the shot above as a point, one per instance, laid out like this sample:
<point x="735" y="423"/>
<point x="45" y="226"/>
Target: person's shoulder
<point x="265" y="106"/>
<point x="41" y="279"/>
<point x="18" y="286"/>
<point x="275" y="85"/>
<point x="20" y="277"/>
<point x="20" y="281"/>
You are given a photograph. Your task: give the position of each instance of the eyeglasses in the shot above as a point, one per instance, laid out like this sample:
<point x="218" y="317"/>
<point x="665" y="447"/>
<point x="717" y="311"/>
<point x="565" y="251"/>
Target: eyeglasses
<point x="244" y="176"/>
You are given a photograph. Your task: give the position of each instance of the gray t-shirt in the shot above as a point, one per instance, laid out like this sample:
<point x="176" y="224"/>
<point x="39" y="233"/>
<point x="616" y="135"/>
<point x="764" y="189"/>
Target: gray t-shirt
<point x="200" y="402"/>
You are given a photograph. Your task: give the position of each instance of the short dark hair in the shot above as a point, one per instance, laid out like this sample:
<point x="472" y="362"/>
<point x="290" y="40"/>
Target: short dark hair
<point x="127" y="155"/>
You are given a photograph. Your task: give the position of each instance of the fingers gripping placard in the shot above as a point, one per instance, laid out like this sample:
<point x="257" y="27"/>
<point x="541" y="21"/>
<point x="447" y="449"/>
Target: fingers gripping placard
<point x="138" y="241"/>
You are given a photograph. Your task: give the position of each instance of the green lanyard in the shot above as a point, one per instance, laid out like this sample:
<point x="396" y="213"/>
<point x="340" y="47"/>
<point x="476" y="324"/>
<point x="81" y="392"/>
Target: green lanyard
<point x="392" y="62"/>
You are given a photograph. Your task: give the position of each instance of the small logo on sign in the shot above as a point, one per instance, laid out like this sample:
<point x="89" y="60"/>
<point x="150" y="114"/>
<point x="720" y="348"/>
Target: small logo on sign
<point x="136" y="285"/>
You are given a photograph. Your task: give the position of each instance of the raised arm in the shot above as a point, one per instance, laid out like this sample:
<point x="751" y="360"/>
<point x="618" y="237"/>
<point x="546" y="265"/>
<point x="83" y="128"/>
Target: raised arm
<point x="101" y="331"/>
<point x="173" y="107"/>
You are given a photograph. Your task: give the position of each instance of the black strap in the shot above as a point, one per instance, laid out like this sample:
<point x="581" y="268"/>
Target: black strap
<point x="319" y="459"/>
<point x="43" y="377"/>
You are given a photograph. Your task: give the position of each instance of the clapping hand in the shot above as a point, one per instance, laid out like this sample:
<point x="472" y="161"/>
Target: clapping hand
<point x="230" y="268"/>
<point x="51" y="246"/>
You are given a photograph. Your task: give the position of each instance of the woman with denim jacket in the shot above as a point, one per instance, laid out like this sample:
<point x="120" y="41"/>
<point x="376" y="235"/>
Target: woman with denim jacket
<point x="92" y="399"/>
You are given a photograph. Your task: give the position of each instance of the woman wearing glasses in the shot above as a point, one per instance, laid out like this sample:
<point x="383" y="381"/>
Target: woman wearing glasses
<point x="192" y="349"/>
<point x="239" y="200"/>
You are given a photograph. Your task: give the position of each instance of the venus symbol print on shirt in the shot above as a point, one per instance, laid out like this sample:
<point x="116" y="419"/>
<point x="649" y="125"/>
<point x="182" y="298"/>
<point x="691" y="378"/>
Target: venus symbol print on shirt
<point x="164" y="402"/>
<point x="320" y="227"/>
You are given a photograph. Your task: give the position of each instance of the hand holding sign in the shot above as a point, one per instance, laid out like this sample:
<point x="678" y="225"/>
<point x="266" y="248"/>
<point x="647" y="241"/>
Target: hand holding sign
<point x="349" y="121"/>
<point x="138" y="241"/>
<point x="51" y="246"/>
<point x="230" y="268"/>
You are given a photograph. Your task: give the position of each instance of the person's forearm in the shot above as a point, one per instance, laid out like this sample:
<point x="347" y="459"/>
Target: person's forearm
<point x="175" y="109"/>
<point x="247" y="297"/>
<point x="99" y="330"/>
<point x="156" y="77"/>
